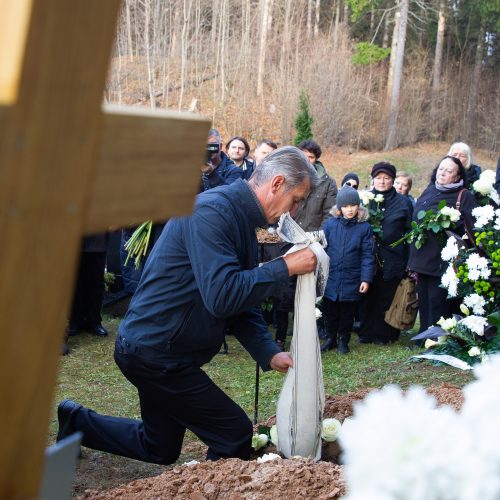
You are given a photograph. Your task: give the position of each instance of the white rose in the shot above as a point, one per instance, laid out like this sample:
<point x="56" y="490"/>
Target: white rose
<point x="474" y="351"/>
<point x="267" y="457"/>
<point x="258" y="441"/>
<point x="379" y="198"/>
<point x="464" y="309"/>
<point x="452" y="213"/>
<point x="330" y="428"/>
<point x="430" y="343"/>
<point x="447" y="324"/>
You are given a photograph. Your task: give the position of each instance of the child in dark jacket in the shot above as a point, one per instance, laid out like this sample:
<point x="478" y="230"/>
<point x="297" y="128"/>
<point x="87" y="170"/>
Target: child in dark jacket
<point x="352" y="266"/>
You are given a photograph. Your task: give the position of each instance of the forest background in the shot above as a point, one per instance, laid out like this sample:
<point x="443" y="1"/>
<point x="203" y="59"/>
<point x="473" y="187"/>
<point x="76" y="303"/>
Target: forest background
<point x="378" y="73"/>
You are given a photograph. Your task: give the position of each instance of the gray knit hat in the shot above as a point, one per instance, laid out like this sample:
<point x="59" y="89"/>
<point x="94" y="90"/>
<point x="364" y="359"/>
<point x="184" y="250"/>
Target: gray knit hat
<point x="347" y="196"/>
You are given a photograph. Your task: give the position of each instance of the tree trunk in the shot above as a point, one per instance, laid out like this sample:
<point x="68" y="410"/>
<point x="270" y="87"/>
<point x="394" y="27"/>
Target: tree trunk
<point x="476" y="82"/>
<point x="438" y="54"/>
<point x="394" y="46"/>
<point x="147" y="47"/>
<point x="309" y="18"/>
<point x="398" y="72"/>
<point x="316" y="21"/>
<point x="128" y="24"/>
<point x="265" y="8"/>
<point x="385" y="36"/>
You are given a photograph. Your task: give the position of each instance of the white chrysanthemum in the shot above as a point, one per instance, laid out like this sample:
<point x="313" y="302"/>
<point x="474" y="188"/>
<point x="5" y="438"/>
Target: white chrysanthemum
<point x="379" y="198"/>
<point x="483" y="215"/>
<point x="450" y="281"/>
<point x="475" y="302"/>
<point x="494" y="196"/>
<point x="447" y="324"/>
<point x="483" y="186"/>
<point x="450" y="251"/>
<point x="474" y="323"/>
<point x="407" y="456"/>
<point x="481" y="415"/>
<point x="452" y="213"/>
<point x="477" y="267"/>
<point x="488" y="176"/>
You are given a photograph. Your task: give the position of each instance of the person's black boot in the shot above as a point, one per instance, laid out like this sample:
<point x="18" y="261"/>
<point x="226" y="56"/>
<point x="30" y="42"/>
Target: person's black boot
<point x="343" y="344"/>
<point x="329" y="345"/>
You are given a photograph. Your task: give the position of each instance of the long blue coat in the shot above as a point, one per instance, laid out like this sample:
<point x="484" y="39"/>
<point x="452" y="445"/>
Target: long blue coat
<point x="351" y="252"/>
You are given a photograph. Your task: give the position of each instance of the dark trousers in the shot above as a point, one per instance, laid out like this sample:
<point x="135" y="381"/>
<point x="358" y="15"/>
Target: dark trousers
<point x="432" y="301"/>
<point x="339" y="319"/>
<point x="173" y="397"/>
<point x="281" y="324"/>
<point x="372" y="308"/>
<point x="89" y="290"/>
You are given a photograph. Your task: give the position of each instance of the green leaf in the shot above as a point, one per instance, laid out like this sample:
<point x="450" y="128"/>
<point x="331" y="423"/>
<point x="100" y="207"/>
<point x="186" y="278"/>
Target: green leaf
<point x="421" y="214"/>
<point x="441" y="204"/>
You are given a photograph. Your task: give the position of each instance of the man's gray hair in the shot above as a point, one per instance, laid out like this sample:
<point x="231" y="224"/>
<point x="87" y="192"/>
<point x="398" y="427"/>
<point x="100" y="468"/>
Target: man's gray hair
<point x="461" y="146"/>
<point x="213" y="132"/>
<point x="288" y="161"/>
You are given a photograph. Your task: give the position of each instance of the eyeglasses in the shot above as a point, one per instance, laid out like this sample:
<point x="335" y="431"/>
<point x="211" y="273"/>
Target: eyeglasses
<point x="352" y="184"/>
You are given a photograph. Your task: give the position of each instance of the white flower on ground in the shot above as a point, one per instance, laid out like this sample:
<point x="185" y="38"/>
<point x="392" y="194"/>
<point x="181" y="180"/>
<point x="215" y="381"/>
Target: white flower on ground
<point x="258" y="441"/>
<point x="430" y="343"/>
<point x="330" y="428"/>
<point x="450" y="281"/>
<point x="191" y="462"/>
<point x="318" y="313"/>
<point x="379" y="198"/>
<point x="267" y="457"/>
<point x="399" y="446"/>
<point x="476" y="302"/>
<point x="474" y="351"/>
<point x="450" y="251"/>
<point x="447" y="324"/>
<point x="273" y="434"/>
<point x="483" y="215"/>
<point x="475" y="324"/>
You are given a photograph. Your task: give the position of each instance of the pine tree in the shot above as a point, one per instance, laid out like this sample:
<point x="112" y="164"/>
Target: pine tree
<point x="303" y="120"/>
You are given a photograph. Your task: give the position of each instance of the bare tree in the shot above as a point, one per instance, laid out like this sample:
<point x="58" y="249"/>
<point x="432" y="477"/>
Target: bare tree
<point x="398" y="72"/>
<point x="438" y="53"/>
<point x="316" y="19"/>
<point x="309" y="18"/>
<point x="394" y="46"/>
<point x="266" y="6"/>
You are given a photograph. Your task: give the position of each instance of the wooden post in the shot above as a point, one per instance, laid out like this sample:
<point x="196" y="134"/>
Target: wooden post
<point x="66" y="168"/>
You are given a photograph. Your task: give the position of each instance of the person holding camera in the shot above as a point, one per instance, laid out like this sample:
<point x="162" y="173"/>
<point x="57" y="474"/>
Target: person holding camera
<point x="218" y="169"/>
<point x="202" y="276"/>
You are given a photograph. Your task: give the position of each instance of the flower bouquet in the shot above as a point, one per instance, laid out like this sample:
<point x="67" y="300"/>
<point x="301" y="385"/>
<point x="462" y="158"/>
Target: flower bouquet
<point x="484" y="188"/>
<point x="437" y="222"/>
<point x="372" y="202"/>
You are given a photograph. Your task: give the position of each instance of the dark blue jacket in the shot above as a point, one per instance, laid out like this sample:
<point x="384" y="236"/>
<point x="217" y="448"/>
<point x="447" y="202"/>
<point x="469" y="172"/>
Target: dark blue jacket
<point x="226" y="173"/>
<point x="427" y="259"/>
<point x="398" y="210"/>
<point x="352" y="259"/>
<point x="249" y="168"/>
<point x="202" y="277"/>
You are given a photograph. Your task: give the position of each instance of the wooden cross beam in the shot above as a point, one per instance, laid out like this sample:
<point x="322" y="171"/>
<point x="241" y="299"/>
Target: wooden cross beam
<point x="67" y="168"/>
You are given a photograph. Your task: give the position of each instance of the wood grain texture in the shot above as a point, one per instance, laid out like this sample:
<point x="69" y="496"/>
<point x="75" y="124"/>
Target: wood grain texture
<point x="148" y="166"/>
<point x="46" y="162"/>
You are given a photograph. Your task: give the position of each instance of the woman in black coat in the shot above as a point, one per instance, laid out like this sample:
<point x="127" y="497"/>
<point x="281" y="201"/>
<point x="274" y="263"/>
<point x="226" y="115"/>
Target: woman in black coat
<point x="391" y="262"/>
<point x="449" y="183"/>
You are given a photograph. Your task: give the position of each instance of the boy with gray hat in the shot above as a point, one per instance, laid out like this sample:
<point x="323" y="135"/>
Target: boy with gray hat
<point x="352" y="266"/>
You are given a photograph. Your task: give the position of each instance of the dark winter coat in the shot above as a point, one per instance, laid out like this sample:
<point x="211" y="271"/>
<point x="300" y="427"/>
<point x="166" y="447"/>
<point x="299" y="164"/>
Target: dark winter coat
<point x="427" y="259"/>
<point x="473" y="173"/>
<point x="201" y="277"/>
<point x="249" y="166"/>
<point x="226" y="173"/>
<point x="352" y="259"/>
<point x="314" y="211"/>
<point x="396" y="223"/>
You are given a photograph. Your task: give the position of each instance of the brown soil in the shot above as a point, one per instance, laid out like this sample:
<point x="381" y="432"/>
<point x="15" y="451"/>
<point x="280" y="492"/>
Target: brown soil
<point x="236" y="479"/>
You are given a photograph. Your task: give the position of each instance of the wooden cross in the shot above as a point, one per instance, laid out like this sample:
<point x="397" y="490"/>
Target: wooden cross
<point x="67" y="168"/>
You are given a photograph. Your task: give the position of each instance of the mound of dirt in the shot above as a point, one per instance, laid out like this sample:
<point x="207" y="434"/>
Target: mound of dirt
<point x="235" y="479"/>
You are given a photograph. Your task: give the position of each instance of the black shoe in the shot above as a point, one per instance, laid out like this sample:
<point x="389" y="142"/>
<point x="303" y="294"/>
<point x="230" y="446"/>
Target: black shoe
<point x="65" y="413"/>
<point x="328" y="345"/>
<point x="73" y="329"/>
<point x="343" y="348"/>
<point x="99" y="330"/>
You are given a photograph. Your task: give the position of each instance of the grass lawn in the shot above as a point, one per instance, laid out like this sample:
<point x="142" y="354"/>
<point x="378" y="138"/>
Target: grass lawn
<point x="90" y="376"/>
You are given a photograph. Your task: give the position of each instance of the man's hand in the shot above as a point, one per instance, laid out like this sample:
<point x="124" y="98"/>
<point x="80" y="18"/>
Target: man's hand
<point x="364" y="287"/>
<point x="207" y="169"/>
<point x="301" y="262"/>
<point x="281" y="362"/>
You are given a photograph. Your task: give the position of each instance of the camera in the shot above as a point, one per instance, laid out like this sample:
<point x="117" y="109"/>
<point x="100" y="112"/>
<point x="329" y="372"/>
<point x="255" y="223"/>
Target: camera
<point x="211" y="149"/>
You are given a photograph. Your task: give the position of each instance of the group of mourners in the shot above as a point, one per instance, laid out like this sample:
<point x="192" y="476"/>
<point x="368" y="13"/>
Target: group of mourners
<point x="365" y="267"/>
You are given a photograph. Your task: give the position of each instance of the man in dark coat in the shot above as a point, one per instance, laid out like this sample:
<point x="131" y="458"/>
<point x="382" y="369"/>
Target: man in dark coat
<point x="202" y="276"/>
<point x="219" y="169"/>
